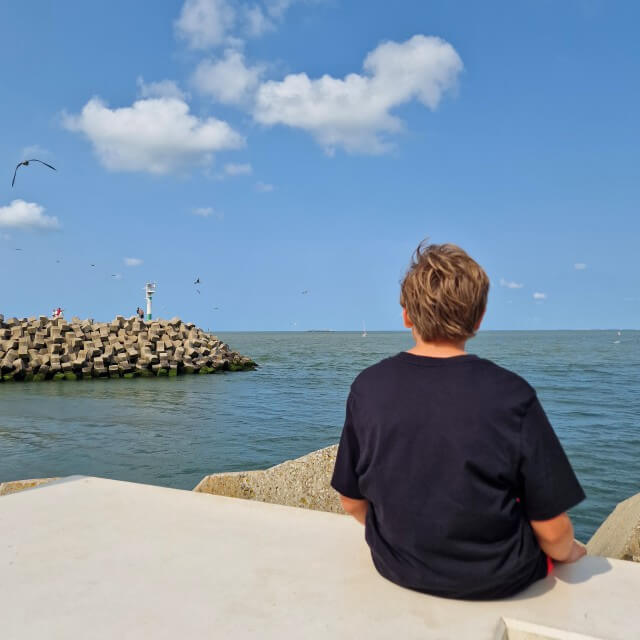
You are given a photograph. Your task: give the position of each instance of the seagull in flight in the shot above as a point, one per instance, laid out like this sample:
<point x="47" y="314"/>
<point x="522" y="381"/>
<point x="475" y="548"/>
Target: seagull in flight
<point x="196" y="281"/>
<point x="25" y="163"/>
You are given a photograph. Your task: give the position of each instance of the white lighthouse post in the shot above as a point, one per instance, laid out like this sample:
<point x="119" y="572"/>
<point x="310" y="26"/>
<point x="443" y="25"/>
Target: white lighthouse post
<point x="150" y="289"/>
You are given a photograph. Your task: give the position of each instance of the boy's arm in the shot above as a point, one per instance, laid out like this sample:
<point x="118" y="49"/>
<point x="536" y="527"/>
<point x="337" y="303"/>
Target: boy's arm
<point x="548" y="486"/>
<point x="555" y="537"/>
<point x="356" y="508"/>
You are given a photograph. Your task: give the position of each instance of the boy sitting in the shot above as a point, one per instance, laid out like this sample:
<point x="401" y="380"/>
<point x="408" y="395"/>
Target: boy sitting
<point x="448" y="459"/>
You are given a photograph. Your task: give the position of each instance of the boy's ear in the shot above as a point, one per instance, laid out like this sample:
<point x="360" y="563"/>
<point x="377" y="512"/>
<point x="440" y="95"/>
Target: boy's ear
<point x="406" y="320"/>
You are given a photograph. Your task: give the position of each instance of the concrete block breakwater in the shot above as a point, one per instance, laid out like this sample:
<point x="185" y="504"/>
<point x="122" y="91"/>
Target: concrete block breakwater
<point x="54" y="349"/>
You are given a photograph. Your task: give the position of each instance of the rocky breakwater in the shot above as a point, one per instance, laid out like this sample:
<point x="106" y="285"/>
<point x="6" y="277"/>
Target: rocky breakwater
<point x="45" y="349"/>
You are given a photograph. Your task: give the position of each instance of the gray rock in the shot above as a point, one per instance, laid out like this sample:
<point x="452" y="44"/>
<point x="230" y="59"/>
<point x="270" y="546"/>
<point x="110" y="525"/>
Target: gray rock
<point x="303" y="482"/>
<point x="619" y="535"/>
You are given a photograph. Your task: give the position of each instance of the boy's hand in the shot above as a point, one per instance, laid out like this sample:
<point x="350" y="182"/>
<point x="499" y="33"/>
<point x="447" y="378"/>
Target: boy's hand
<point x="578" y="550"/>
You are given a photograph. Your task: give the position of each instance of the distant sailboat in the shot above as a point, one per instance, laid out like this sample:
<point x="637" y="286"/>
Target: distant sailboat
<point x="364" y="330"/>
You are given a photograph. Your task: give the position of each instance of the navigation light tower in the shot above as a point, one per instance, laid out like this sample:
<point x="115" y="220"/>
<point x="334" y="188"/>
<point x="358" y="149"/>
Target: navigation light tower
<point x="150" y="289"/>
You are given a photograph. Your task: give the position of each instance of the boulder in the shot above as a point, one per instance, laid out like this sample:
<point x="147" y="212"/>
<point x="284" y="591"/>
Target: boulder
<point x="619" y="535"/>
<point x="303" y="482"/>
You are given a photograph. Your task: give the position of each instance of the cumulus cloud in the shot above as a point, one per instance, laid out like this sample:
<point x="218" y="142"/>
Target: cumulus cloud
<point x="205" y="23"/>
<point x="277" y="8"/>
<point x="27" y="216"/>
<point x="579" y="266"/>
<point x="510" y="285"/>
<point x="354" y="112"/>
<point x="264" y="187"/>
<point x="256" y="21"/>
<point x="539" y="296"/>
<point x="228" y="80"/>
<point x="161" y="89"/>
<point x="157" y="135"/>
<point x="238" y="169"/>
<point x="132" y="262"/>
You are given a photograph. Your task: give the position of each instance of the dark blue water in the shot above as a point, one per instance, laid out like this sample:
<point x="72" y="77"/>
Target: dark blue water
<point x="174" y="431"/>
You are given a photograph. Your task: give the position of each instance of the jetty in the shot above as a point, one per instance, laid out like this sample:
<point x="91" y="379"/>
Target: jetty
<point x="97" y="558"/>
<point x="54" y="349"/>
<point x="87" y="557"/>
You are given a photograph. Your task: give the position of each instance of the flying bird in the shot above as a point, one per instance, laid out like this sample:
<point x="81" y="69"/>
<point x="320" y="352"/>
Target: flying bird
<point x="196" y="281"/>
<point x="25" y="163"/>
<point x="305" y="292"/>
<point x="198" y="290"/>
<point x="93" y="265"/>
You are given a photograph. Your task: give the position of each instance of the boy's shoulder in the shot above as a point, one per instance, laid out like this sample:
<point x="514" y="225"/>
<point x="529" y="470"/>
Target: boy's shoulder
<point x="484" y="373"/>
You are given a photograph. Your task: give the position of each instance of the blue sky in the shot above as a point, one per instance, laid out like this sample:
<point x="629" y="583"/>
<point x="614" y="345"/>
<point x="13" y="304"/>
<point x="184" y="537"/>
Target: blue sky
<point x="280" y="146"/>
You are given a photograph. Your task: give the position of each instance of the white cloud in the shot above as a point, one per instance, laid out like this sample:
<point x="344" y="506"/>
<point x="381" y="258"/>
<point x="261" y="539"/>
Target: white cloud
<point x="207" y="212"/>
<point x="203" y="212"/>
<point x="539" y="296"/>
<point x="277" y="8"/>
<point x="157" y="135"/>
<point x="34" y="151"/>
<point x="161" y="89"/>
<point x="580" y="266"/>
<point x="27" y="215"/>
<point x="256" y="21"/>
<point x="238" y="169"/>
<point x="205" y="23"/>
<point x="264" y="187"/>
<point x="228" y="80"/>
<point x="355" y="112"/>
<point x="132" y="262"/>
<point x="510" y="285"/>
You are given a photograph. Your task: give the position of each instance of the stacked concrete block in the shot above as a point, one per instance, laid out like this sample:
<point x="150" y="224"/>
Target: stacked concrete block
<point x="44" y="349"/>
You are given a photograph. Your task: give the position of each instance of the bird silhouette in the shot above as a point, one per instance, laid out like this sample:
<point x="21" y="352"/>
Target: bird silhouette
<point x="196" y="281"/>
<point x="25" y="163"/>
<point x="304" y="292"/>
<point x="198" y="290"/>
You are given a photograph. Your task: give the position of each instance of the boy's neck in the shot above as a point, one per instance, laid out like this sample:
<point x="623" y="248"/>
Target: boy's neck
<point x="439" y="349"/>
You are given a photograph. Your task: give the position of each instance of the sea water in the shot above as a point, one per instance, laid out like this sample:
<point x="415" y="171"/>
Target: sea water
<point x="174" y="431"/>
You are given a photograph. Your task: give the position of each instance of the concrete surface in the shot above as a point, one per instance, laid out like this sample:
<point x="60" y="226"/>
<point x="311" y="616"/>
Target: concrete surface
<point x="101" y="559"/>
<point x="303" y="482"/>
<point x="619" y="535"/>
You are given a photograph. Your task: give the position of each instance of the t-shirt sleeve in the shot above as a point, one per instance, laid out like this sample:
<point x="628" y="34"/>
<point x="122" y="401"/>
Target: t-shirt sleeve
<point x="345" y="478"/>
<point x="549" y="484"/>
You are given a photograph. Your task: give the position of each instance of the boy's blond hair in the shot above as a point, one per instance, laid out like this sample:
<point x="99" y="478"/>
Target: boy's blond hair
<point x="444" y="293"/>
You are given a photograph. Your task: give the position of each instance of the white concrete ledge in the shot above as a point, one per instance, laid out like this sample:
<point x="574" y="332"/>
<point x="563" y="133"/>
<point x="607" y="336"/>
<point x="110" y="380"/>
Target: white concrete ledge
<point x="100" y="559"/>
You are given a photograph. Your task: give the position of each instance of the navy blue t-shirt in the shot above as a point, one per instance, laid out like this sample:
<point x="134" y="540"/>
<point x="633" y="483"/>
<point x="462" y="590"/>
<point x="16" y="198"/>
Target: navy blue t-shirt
<point x="455" y="456"/>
